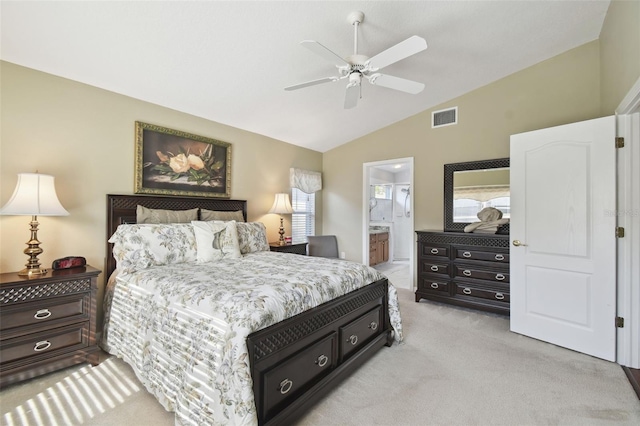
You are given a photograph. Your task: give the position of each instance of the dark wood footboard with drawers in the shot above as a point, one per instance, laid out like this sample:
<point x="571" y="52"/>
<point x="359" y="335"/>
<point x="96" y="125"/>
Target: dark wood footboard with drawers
<point x="297" y="361"/>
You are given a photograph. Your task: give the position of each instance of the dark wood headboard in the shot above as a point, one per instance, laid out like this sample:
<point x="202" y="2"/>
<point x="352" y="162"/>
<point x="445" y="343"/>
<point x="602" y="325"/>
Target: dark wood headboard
<point x="122" y="209"/>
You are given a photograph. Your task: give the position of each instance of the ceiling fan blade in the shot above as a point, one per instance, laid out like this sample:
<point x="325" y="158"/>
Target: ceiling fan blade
<point x="351" y="96"/>
<point x="320" y="50"/>
<point x="397" y="83"/>
<point x="404" y="49"/>
<point x="311" y="83"/>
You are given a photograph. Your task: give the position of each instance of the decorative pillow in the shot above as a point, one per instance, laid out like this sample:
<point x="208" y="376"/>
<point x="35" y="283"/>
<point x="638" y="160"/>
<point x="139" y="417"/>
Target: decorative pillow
<point x="145" y="215"/>
<point x="216" y="240"/>
<point x="252" y="237"/>
<point x="139" y="246"/>
<point x="218" y="215"/>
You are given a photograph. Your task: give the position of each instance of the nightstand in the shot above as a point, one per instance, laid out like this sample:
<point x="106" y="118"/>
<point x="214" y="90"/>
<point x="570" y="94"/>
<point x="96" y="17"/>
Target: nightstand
<point x="299" y="248"/>
<point x="47" y="323"/>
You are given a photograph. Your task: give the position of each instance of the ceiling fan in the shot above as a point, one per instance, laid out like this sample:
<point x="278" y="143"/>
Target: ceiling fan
<point x="356" y="66"/>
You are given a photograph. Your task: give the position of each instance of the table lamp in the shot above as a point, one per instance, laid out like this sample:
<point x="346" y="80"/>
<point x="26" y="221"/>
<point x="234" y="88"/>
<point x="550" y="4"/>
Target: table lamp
<point x="35" y="195"/>
<point x="281" y="205"/>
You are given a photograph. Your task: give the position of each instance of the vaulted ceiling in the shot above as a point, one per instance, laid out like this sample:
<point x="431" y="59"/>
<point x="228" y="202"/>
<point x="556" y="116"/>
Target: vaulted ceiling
<point x="229" y="61"/>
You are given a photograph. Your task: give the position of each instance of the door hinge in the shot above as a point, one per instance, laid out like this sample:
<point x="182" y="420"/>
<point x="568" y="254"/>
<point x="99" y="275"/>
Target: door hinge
<point x="619" y="142"/>
<point x="620" y="232"/>
<point x="619" y="322"/>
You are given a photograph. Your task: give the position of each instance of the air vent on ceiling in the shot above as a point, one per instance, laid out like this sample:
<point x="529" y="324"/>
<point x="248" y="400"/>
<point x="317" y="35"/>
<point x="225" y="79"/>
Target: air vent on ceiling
<point x="444" y="117"/>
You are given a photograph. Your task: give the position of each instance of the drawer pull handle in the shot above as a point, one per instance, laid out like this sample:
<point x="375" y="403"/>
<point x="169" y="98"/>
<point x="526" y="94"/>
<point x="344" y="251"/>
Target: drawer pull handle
<point x="434" y="285"/>
<point x="466" y="290"/>
<point x="373" y="326"/>
<point x="499" y="296"/>
<point x="322" y="360"/>
<point x="500" y="277"/>
<point x="434" y="268"/>
<point x="499" y="257"/>
<point x="285" y="386"/>
<point x="434" y="251"/>
<point x="466" y="254"/>
<point x="42" y="346"/>
<point x="466" y="273"/>
<point x="353" y="339"/>
<point x="42" y="314"/>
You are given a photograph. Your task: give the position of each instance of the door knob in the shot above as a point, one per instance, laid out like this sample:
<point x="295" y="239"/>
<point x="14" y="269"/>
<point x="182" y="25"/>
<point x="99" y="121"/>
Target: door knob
<point x="517" y="243"/>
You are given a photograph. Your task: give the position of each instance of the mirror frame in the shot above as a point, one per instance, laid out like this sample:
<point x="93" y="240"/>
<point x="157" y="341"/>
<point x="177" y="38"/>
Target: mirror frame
<point x="449" y="169"/>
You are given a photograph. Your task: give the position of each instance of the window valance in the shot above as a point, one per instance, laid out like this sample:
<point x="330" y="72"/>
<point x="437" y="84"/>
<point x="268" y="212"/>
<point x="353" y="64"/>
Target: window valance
<point x="305" y="180"/>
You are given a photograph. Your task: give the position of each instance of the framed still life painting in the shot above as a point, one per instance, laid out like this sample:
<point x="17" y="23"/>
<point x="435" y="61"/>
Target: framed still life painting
<point x="171" y="162"/>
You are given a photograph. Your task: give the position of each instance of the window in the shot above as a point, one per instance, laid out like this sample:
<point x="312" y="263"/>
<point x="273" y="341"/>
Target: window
<point x="466" y="209"/>
<point x="303" y="221"/>
<point x="382" y="191"/>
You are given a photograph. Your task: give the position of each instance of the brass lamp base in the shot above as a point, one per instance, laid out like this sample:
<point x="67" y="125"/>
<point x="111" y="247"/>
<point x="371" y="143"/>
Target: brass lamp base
<point x="26" y="272"/>
<point x="281" y="241"/>
<point x="33" y="250"/>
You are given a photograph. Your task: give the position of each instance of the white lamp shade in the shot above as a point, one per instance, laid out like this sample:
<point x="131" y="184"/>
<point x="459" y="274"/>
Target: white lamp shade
<point x="281" y="205"/>
<point x="35" y="195"/>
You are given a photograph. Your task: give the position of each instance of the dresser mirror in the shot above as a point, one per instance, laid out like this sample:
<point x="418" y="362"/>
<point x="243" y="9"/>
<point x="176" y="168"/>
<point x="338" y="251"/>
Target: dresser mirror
<point x="469" y="187"/>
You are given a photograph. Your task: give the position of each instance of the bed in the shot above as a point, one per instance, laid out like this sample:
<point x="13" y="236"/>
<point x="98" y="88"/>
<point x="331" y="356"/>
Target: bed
<point x="255" y="339"/>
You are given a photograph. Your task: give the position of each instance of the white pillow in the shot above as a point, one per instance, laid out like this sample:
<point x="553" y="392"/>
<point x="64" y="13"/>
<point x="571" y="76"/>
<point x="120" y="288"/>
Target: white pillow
<point x="216" y="240"/>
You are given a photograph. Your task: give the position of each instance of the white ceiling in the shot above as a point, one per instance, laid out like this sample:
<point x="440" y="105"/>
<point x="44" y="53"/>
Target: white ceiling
<point x="230" y="61"/>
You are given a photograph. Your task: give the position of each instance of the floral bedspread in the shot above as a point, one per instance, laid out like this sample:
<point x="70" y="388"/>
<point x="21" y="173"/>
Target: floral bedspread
<point x="183" y="327"/>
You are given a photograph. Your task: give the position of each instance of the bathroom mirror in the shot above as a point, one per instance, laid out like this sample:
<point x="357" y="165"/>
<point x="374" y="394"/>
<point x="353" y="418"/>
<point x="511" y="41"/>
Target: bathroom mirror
<point x="469" y="187"/>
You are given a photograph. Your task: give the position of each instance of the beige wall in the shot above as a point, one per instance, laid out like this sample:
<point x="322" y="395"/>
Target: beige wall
<point x="560" y="90"/>
<point x="84" y="136"/>
<point x="619" y="53"/>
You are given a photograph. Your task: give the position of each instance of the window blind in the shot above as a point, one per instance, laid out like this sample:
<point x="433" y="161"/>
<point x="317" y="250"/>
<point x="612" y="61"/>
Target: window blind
<point x="303" y="220"/>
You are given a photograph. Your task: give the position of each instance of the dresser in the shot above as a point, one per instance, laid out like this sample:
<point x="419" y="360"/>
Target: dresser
<point x="464" y="269"/>
<point x="47" y="322"/>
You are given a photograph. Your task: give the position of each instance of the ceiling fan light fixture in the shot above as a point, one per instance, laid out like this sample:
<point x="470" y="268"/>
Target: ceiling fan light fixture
<point x="356" y="66"/>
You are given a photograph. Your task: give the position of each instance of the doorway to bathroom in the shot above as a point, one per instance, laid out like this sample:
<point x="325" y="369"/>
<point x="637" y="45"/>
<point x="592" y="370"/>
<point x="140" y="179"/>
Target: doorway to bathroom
<point x="388" y="242"/>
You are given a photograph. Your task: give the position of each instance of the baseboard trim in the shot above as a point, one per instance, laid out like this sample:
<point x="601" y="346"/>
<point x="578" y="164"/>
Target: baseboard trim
<point x="633" y="375"/>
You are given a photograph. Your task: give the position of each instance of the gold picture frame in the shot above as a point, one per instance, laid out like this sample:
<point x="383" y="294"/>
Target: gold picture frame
<point x="171" y="162"/>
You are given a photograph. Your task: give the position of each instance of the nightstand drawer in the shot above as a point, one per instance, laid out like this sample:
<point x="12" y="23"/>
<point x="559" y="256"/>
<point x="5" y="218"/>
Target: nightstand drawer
<point x="71" y="308"/>
<point x="63" y="338"/>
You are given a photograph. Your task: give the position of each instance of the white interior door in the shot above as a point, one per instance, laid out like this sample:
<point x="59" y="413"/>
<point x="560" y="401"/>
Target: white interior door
<point x="563" y="255"/>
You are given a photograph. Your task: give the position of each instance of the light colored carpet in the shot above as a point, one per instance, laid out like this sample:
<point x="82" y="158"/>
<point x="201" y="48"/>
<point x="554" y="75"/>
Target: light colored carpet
<point x="456" y="367"/>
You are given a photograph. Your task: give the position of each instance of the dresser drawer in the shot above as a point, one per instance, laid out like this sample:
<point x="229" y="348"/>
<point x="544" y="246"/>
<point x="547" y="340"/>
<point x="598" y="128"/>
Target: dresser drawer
<point x="283" y="383"/>
<point x="471" y="254"/>
<point x="428" y="267"/>
<point x="434" y="285"/>
<point x="71" y="308"/>
<point x="434" y="250"/>
<point x="470" y="289"/>
<point x="359" y="331"/>
<point x="469" y="271"/>
<point x="55" y="340"/>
